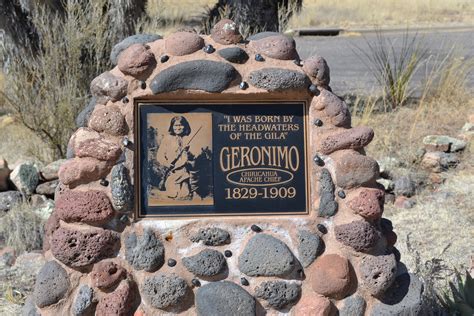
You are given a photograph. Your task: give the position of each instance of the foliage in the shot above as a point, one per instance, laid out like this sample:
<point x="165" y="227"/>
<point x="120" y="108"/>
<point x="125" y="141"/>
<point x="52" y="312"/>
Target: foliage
<point x="460" y="301"/>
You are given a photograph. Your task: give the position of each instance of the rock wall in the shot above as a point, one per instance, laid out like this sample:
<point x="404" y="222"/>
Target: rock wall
<point x="339" y="258"/>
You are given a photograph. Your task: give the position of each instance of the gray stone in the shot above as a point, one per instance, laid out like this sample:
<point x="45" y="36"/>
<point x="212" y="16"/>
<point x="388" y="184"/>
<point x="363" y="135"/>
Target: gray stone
<point x="403" y="298"/>
<point x="278" y="294"/>
<point x="84" y="302"/>
<point x="443" y="143"/>
<point x="325" y="181"/>
<point x="51" y="285"/>
<point x="212" y="236"/>
<point x="70" y="152"/>
<point x="310" y="246"/>
<point x="109" y="87"/>
<point x="162" y="291"/>
<point x="29" y="309"/>
<point x="327" y="205"/>
<point x="208" y="262"/>
<point x="234" y="55"/>
<point x="224" y="298"/>
<point x="468" y="127"/>
<point x="265" y="255"/>
<point x="25" y="177"/>
<point x="121" y="189"/>
<point x="83" y="117"/>
<point x="47" y="188"/>
<point x="210" y="76"/>
<point x="276" y="79"/>
<point x="404" y="186"/>
<point x="9" y="199"/>
<point x="353" y="305"/>
<point x="144" y="252"/>
<point x="134" y="39"/>
<point x="377" y="273"/>
<point x="262" y="35"/>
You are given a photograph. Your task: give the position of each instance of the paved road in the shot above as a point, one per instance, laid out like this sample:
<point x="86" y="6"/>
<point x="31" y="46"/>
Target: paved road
<point x="349" y="74"/>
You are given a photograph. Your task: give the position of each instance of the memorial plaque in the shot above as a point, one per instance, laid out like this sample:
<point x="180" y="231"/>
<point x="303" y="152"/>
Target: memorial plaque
<point x="221" y="159"/>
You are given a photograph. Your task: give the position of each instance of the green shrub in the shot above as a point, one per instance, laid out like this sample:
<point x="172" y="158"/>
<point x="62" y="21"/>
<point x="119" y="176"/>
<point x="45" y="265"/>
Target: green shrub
<point x="460" y="299"/>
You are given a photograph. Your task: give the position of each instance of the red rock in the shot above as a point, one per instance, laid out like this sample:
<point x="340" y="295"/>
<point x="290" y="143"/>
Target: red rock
<point x="312" y="305"/>
<point x="335" y="108"/>
<point x="136" y="60"/>
<point x="359" y="235"/>
<point x="52" y="224"/>
<point x="77" y="248"/>
<point x="117" y="303"/>
<point x="90" y="207"/>
<point x="109" y="87"/>
<point x="106" y="274"/>
<point x="108" y="119"/>
<point x="354" y="170"/>
<point x="183" y="43"/>
<point x="4" y="173"/>
<point x="88" y="143"/>
<point x="78" y="171"/>
<point x="226" y="32"/>
<point x="354" y="138"/>
<point x="278" y="47"/>
<point x="329" y="276"/>
<point x="369" y="204"/>
<point x="317" y="68"/>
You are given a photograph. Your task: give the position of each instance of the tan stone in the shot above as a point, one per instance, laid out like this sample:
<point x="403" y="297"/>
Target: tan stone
<point x="312" y="305"/>
<point x="83" y="170"/>
<point x="183" y="43"/>
<point x="226" y="32"/>
<point x="330" y="276"/>
<point x="136" y="61"/>
<point x="278" y="47"/>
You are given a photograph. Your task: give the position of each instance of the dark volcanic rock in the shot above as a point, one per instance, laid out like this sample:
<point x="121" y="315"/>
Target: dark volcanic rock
<point x="310" y="246"/>
<point x="264" y="255"/>
<point x="278" y="294"/>
<point x="134" y="39"/>
<point x="77" y="248"/>
<point x="212" y="236"/>
<point x="405" y="186"/>
<point x="106" y="274"/>
<point x="122" y="189"/>
<point x="359" y="235"/>
<point x="162" y="291"/>
<point x="234" y="55"/>
<point x="276" y="79"/>
<point x="208" y="262"/>
<point x="51" y="285"/>
<point x="377" y="273"/>
<point x="109" y="87"/>
<point x="224" y="298"/>
<point x="8" y="199"/>
<point x="84" y="302"/>
<point x="327" y="205"/>
<point x="210" y="76"/>
<point x="353" y="305"/>
<point x="144" y="252"/>
<point x="83" y="117"/>
<point x="90" y="207"/>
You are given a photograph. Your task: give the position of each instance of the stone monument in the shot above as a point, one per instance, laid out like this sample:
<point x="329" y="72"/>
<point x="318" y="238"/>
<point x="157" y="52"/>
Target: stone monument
<point x="212" y="175"/>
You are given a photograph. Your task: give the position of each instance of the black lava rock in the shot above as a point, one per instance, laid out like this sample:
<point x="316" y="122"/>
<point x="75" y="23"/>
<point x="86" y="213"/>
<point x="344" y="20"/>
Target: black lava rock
<point x="209" y="49"/>
<point x="255" y="228"/>
<point x="164" y="58"/>
<point x="228" y="253"/>
<point x="83" y="117"/>
<point x="234" y="55"/>
<point x="259" y="57"/>
<point x="144" y="252"/>
<point x="171" y="262"/>
<point x="196" y="282"/>
<point x="224" y="298"/>
<point x="322" y="228"/>
<point x="310" y="246"/>
<point x="318" y="122"/>
<point x="244" y="282"/>
<point x="206" y="75"/>
<point x="276" y="79"/>
<point x="164" y="291"/>
<point x="208" y="262"/>
<point x="212" y="236"/>
<point x="278" y="294"/>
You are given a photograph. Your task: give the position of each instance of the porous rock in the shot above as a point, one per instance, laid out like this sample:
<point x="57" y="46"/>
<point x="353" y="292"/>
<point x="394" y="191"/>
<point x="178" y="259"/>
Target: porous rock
<point x="317" y="68"/>
<point x="162" y="291"/>
<point x="354" y="170"/>
<point x="359" y="235"/>
<point x="106" y="274"/>
<point x="25" y="177"/>
<point x="224" y="298"/>
<point x="9" y="199"/>
<point x="212" y="236"/>
<point x="29" y="309"/>
<point x="83" y="170"/>
<point x="234" y="55"/>
<point x="443" y="143"/>
<point x="52" y="283"/>
<point x="277" y="79"/>
<point x="136" y="60"/>
<point x="275" y="46"/>
<point x="439" y="161"/>
<point x="109" y="87"/>
<point x="404" y="297"/>
<point x="83" y="117"/>
<point x="265" y="255"/>
<point x="354" y="138"/>
<point x="47" y="188"/>
<point x="88" y="143"/>
<point x="368" y="204"/>
<point x="313" y="304"/>
<point x="335" y="108"/>
<point x="327" y="205"/>
<point x="134" y="39"/>
<point x="404" y="186"/>
<point x="145" y="252"/>
<point x="353" y="305"/>
<point x="49" y="227"/>
<point x="377" y="273"/>
<point x="206" y="75"/>
<point x="77" y="248"/>
<point x="121" y="189"/>
<point x="226" y="32"/>
<point x="84" y="302"/>
<point x="183" y="43"/>
<point x="310" y="246"/>
<point x="119" y="302"/>
<point x="208" y="262"/>
<point x="278" y="294"/>
<point x="330" y="276"/>
<point x="4" y="173"/>
<point x="109" y="120"/>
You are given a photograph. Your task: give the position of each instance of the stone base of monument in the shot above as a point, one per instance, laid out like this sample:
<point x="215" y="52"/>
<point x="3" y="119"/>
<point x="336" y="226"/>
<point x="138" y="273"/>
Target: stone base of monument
<point x="216" y="176"/>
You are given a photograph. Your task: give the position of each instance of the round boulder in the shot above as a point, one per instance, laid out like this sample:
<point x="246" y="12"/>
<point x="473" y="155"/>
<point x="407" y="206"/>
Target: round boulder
<point x="359" y="235"/>
<point x="51" y="285"/>
<point x="276" y="46"/>
<point x="226" y="32"/>
<point x="234" y="55"/>
<point x="208" y="262"/>
<point x="183" y="43"/>
<point x="162" y="291"/>
<point x="377" y="273"/>
<point x="317" y="68"/>
<point x="330" y="276"/>
<point x="136" y="61"/>
<point x="224" y="298"/>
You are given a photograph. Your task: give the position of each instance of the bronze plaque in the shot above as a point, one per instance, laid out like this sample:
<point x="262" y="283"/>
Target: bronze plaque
<point x="221" y="159"/>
